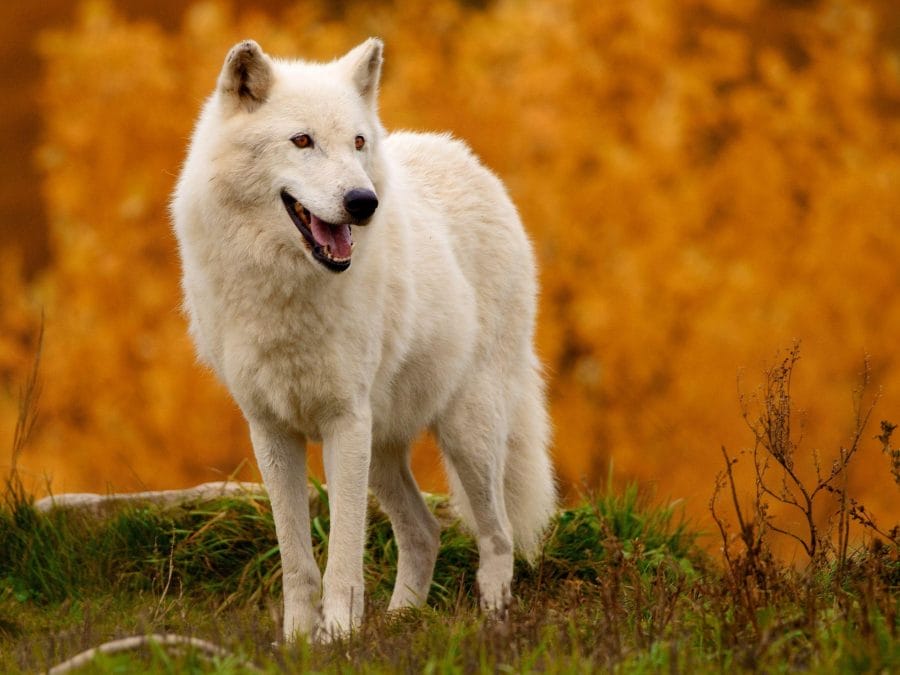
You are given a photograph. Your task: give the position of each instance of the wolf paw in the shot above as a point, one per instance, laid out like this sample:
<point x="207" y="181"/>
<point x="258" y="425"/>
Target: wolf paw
<point x="328" y="632"/>
<point x="496" y="600"/>
<point x="337" y="621"/>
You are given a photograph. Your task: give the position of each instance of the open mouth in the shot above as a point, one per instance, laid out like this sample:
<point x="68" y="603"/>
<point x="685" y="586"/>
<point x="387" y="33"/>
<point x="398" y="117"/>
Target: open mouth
<point x="330" y="244"/>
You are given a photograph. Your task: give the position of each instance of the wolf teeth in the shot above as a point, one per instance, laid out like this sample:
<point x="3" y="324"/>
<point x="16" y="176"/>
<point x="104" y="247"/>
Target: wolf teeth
<point x="302" y="213"/>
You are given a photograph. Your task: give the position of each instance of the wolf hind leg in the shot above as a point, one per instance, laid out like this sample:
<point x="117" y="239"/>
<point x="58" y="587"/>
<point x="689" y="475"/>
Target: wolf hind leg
<point x="473" y="436"/>
<point x="416" y="530"/>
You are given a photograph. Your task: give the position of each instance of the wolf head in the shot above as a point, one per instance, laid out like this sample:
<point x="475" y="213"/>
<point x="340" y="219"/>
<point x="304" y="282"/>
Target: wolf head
<point x="292" y="147"/>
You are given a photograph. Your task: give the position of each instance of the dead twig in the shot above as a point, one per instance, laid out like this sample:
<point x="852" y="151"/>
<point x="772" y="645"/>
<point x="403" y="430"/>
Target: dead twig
<point x="208" y="649"/>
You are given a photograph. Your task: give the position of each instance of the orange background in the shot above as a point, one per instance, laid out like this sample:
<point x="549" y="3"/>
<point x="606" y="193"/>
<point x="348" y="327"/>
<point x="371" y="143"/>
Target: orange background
<point x="705" y="182"/>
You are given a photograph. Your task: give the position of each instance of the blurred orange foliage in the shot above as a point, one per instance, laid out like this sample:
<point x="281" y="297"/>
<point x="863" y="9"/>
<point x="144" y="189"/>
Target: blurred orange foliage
<point x="705" y="181"/>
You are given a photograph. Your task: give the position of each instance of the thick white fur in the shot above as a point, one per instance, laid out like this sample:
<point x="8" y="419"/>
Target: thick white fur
<point x="430" y="327"/>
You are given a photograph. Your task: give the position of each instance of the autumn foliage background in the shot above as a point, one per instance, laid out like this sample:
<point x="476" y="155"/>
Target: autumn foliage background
<point x="705" y="182"/>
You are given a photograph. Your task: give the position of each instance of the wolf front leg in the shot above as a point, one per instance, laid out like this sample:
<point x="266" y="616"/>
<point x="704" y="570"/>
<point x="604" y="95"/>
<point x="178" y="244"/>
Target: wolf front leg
<point x="346" y="450"/>
<point x="282" y="462"/>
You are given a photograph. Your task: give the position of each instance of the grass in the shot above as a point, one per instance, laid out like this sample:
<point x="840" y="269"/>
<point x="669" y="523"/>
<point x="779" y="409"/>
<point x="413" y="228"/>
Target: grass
<point x="211" y="569"/>
<point x="622" y="585"/>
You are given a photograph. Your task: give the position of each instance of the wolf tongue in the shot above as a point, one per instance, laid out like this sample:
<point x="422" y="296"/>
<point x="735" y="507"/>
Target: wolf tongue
<point x="335" y="237"/>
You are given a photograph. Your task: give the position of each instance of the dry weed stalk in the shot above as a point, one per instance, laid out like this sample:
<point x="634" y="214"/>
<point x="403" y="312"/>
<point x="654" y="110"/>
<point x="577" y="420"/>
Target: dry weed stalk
<point x="755" y="577"/>
<point x="769" y="415"/>
<point x="29" y="395"/>
<point x="750" y="568"/>
<point x="775" y="447"/>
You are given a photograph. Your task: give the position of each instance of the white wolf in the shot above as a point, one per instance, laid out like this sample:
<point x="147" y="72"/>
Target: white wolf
<point x="354" y="288"/>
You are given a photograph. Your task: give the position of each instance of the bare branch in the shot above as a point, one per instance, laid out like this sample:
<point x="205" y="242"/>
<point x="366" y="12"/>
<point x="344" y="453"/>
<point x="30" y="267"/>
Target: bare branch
<point x="136" y="642"/>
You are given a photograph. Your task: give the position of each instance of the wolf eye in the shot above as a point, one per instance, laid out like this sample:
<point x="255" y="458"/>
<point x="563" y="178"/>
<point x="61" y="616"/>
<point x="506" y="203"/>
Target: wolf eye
<point x="302" y="140"/>
<point x="360" y="142"/>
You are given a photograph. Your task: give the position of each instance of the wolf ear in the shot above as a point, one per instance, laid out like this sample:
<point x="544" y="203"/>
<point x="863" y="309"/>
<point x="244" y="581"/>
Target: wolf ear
<point x="363" y="64"/>
<point x="247" y="76"/>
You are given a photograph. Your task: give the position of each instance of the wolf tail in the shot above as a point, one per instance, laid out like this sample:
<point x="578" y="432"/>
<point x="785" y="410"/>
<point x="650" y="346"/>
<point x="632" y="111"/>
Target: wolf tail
<point x="529" y="484"/>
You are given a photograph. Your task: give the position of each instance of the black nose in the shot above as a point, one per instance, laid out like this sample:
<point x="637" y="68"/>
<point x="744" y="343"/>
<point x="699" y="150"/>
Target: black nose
<point x="360" y="203"/>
